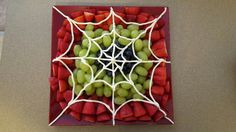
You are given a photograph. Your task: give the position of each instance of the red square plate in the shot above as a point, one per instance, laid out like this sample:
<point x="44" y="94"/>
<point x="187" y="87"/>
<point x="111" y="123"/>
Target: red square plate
<point x="132" y="55"/>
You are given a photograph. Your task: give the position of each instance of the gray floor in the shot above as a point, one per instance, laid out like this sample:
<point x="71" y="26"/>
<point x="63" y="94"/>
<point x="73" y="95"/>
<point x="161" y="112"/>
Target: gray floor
<point x="1" y="42"/>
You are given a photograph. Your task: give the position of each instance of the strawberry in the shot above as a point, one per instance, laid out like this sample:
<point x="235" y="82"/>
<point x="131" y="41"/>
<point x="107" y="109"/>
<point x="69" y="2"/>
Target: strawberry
<point x="160" y="71"/>
<point x="131" y="118"/>
<point x="90" y="10"/>
<point x="53" y="83"/>
<point x="65" y="22"/>
<point x="102" y="12"/>
<point x="138" y="109"/>
<point x="63" y="46"/>
<point x="164" y="100"/>
<point x="69" y="62"/>
<point x="144" y="14"/>
<point x="103" y="117"/>
<point x="151" y="109"/>
<point x="63" y="86"/>
<point x="145" y="118"/>
<point x="63" y="73"/>
<point x="89" y="16"/>
<point x="61" y="32"/>
<point x="163" y="64"/>
<point x="160" y="23"/>
<point x="131" y="18"/>
<point x="162" y="32"/>
<point x="117" y="116"/>
<point x="160" y="80"/>
<point x="107" y="101"/>
<point x="155" y="35"/>
<point x="76" y="14"/>
<point x="77" y="107"/>
<point x="99" y="18"/>
<point x="63" y="104"/>
<point x="75" y="115"/>
<point x="158" y="116"/>
<point x="119" y="10"/>
<point x="141" y="19"/>
<point x="89" y="108"/>
<point x="101" y="109"/>
<point x="59" y="44"/>
<point x="158" y="90"/>
<point x="167" y="87"/>
<point x="126" y="111"/>
<point x="88" y="118"/>
<point x="59" y="97"/>
<point x="54" y="69"/>
<point x="132" y="10"/>
<point x="68" y="29"/>
<point x="67" y="37"/>
<point x="67" y="95"/>
<point x="80" y="19"/>
<point x="117" y="20"/>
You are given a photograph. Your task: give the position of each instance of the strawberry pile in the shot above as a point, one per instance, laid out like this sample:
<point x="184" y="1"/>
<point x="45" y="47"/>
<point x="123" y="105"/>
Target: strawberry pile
<point x="61" y="79"/>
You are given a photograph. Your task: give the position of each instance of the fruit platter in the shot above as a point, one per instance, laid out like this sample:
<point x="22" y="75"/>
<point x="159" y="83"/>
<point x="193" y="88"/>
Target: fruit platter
<point x="110" y="66"/>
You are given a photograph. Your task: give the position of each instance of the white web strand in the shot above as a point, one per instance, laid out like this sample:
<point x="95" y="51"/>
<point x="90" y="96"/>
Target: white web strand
<point x="113" y="85"/>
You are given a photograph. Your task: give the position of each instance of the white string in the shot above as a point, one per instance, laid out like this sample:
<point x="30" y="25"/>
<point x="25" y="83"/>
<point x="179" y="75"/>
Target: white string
<point x="109" y="58"/>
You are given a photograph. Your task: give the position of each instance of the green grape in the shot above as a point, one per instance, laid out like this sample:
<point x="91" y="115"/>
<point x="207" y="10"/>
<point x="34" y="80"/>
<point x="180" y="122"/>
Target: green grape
<point x="139" y="87"/>
<point x="94" y="48"/>
<point x="107" y="91"/>
<point x="148" y="65"/>
<point x="107" y="41"/>
<point x="82" y="52"/>
<point x="90" y="34"/>
<point x="137" y="96"/>
<point x="143" y="35"/>
<point x="125" y="33"/>
<point x="138" y="45"/>
<point x="141" y="79"/>
<point x="147" y="51"/>
<point x="94" y="67"/>
<point x="77" y="63"/>
<point x="76" y="50"/>
<point x="130" y="95"/>
<point x="119" y="78"/>
<point x="134" y="33"/>
<point x="119" y="100"/>
<point x="146" y="84"/>
<point x="99" y="41"/>
<point x="98" y="32"/>
<point x="143" y="91"/>
<point x="87" y="77"/>
<point x="80" y="76"/>
<point x="134" y="77"/>
<point x="141" y="71"/>
<point x="142" y="55"/>
<point x="89" y="90"/>
<point x="75" y="72"/>
<point x="99" y="91"/>
<point x="119" y="27"/>
<point x="123" y="41"/>
<point x="78" y="88"/>
<point x="97" y="84"/>
<point x="70" y="81"/>
<point x="84" y="67"/>
<point x="102" y="74"/>
<point x="107" y="79"/>
<point x="133" y="91"/>
<point x="105" y="32"/>
<point x="89" y="27"/>
<point x="145" y="43"/>
<point x="133" y="27"/>
<point x="122" y="92"/>
<point x="85" y="43"/>
<point x="126" y="86"/>
<point x="91" y="61"/>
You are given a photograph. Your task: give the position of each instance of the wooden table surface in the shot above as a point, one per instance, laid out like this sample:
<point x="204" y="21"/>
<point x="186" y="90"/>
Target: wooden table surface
<point x="203" y="49"/>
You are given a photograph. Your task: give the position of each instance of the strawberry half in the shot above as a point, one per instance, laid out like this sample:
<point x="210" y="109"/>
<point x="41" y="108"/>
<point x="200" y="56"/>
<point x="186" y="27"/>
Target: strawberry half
<point x="131" y="118"/>
<point x="63" y="104"/>
<point x="158" y="116"/>
<point x="167" y="87"/>
<point x="151" y="109"/>
<point x="63" y="73"/>
<point x="67" y="95"/>
<point x="53" y="83"/>
<point x="159" y="48"/>
<point x="63" y="86"/>
<point x="164" y="100"/>
<point x="76" y="14"/>
<point x="141" y="19"/>
<point x="99" y="18"/>
<point x="89" y="108"/>
<point x="75" y="115"/>
<point x="54" y="69"/>
<point x="88" y="118"/>
<point x="145" y="118"/>
<point x="89" y="17"/>
<point x="132" y="10"/>
<point x="59" y="97"/>
<point x="101" y="109"/>
<point x="61" y="32"/>
<point x="126" y="111"/>
<point x="158" y="90"/>
<point x="131" y="18"/>
<point x="77" y="107"/>
<point x="103" y="117"/>
<point x="138" y="109"/>
<point x="155" y="35"/>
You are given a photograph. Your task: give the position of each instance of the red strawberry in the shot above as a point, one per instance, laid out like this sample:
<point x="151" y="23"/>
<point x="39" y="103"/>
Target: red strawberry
<point x="131" y="18"/>
<point x="138" y="109"/>
<point x="90" y="10"/>
<point x="158" y="90"/>
<point x="75" y="115"/>
<point x="69" y="62"/>
<point x="117" y="20"/>
<point x="63" y="104"/>
<point x="117" y="116"/>
<point x="53" y="83"/>
<point x="88" y="118"/>
<point x="151" y="109"/>
<point x="107" y="101"/>
<point x="159" y="80"/>
<point x="67" y="37"/>
<point x="126" y="111"/>
<point x="164" y="100"/>
<point x="101" y="109"/>
<point x="65" y="22"/>
<point x="61" y="32"/>
<point x="64" y="46"/>
<point x="119" y="10"/>
<point x="80" y="19"/>
<point x="167" y="87"/>
<point x="99" y="18"/>
<point x="152" y="18"/>
<point x="63" y="73"/>
<point x="102" y="12"/>
<point x="67" y="95"/>
<point x="155" y="35"/>
<point x="59" y="43"/>
<point x="163" y="64"/>
<point x="103" y="117"/>
<point x="161" y="71"/>
<point x="162" y="32"/>
<point x="54" y="69"/>
<point x="160" y="23"/>
<point x="132" y="10"/>
<point x="63" y="86"/>
<point x="158" y="116"/>
<point x="89" y="16"/>
<point x="131" y="118"/>
<point x="89" y="108"/>
<point x="145" y="118"/>
<point x="59" y="97"/>
<point x="68" y="27"/>
<point x="141" y="19"/>
<point x="76" y="14"/>
<point x="144" y="14"/>
<point x="77" y="107"/>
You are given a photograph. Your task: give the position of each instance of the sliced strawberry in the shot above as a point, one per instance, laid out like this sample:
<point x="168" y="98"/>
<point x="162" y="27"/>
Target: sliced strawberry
<point x="88" y="118"/>
<point x="138" y="109"/>
<point x="67" y="95"/>
<point x="63" y="73"/>
<point x="160" y="23"/>
<point x="89" y="16"/>
<point x="158" y="90"/>
<point x="61" y="32"/>
<point x="155" y="35"/>
<point x="145" y="14"/>
<point x="164" y="100"/>
<point x="53" y="83"/>
<point x="103" y="117"/>
<point x="64" y="46"/>
<point x="167" y="87"/>
<point x="69" y="62"/>
<point x="54" y="69"/>
<point x="132" y="10"/>
<point x="117" y="116"/>
<point x="162" y="32"/>
<point x="80" y="19"/>
<point x="119" y="10"/>
<point x="89" y="108"/>
<point x="63" y="86"/>
<point x="77" y="107"/>
<point x="131" y="118"/>
<point x="99" y="18"/>
<point x="102" y="12"/>
<point x="159" y="80"/>
<point x="65" y="22"/>
<point x="63" y="104"/>
<point x="101" y="109"/>
<point x="107" y="101"/>
<point x="126" y="111"/>
<point x="141" y="19"/>
<point x="117" y="20"/>
<point x="59" y="43"/>
<point x="67" y="37"/>
<point x="75" y="115"/>
<point x="145" y="118"/>
<point x="163" y="64"/>
<point x="90" y="10"/>
<point x="158" y="116"/>
<point x="161" y="71"/>
<point x="131" y="18"/>
<point x="151" y="109"/>
<point x="59" y="97"/>
<point x="76" y="14"/>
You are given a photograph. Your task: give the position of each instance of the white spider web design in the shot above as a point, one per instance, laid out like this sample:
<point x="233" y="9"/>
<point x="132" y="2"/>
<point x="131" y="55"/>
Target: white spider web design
<point x="112" y="61"/>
